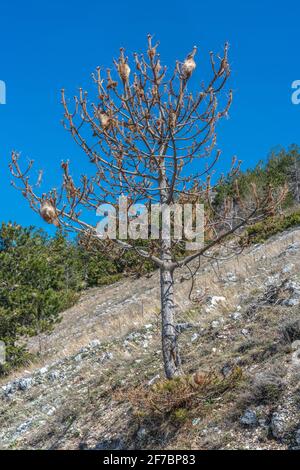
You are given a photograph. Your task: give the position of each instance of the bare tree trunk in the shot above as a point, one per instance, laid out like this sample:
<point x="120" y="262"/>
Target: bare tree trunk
<point x="168" y="330"/>
<point x="169" y="333"/>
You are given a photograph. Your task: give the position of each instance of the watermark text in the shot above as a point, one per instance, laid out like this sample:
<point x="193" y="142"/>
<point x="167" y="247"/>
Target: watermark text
<point x="2" y="92"/>
<point x="296" y="94"/>
<point x="182" y="222"/>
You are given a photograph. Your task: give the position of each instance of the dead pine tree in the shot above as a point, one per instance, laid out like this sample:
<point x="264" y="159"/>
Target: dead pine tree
<point x="150" y="134"/>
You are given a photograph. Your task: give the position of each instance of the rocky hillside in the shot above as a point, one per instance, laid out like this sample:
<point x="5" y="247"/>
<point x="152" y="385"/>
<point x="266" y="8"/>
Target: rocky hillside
<point x="98" y="382"/>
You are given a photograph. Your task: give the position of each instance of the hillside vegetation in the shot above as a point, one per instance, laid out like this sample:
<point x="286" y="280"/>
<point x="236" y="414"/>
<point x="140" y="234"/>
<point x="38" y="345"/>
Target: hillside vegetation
<point x="99" y="382"/>
<point x="41" y="276"/>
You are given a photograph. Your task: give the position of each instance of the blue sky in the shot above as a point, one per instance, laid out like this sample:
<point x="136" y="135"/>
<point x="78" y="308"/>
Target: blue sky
<point x="49" y="45"/>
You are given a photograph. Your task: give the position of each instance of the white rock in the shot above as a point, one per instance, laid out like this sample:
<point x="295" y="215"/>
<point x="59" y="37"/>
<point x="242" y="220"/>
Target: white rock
<point x="296" y="345"/>
<point x="272" y="280"/>
<point x="141" y="433"/>
<point x="291" y="302"/>
<point x="43" y="370"/>
<point x="24" y="426"/>
<point x="249" y="418"/>
<point x="297" y="437"/>
<point x="153" y="380"/>
<point x="288" y="268"/>
<point x="95" y="343"/>
<point x="53" y="375"/>
<point x="9" y="388"/>
<point x="49" y="410"/>
<point x="107" y="356"/>
<point x="216" y="299"/>
<point x="231" y="277"/>
<point x="278" y="424"/>
<point x="25" y="383"/>
<point x="236" y="316"/>
<point x="194" y="337"/>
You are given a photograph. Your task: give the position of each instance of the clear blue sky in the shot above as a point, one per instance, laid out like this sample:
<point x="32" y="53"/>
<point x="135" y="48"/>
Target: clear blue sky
<point x="49" y="45"/>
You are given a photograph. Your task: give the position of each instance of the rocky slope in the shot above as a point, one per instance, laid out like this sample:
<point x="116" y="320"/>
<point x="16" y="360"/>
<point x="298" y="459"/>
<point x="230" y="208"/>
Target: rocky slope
<point x="244" y="315"/>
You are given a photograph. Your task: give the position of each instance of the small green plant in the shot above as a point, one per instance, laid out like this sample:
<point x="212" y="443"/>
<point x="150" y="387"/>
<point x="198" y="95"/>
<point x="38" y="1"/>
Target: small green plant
<point x="180" y="415"/>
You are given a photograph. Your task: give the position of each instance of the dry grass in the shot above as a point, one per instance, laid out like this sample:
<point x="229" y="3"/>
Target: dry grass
<point x="190" y="393"/>
<point x="83" y="322"/>
<point x="167" y="408"/>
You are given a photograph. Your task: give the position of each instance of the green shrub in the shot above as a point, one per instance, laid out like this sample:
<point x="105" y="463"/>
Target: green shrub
<point x="39" y="277"/>
<point x="281" y="167"/>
